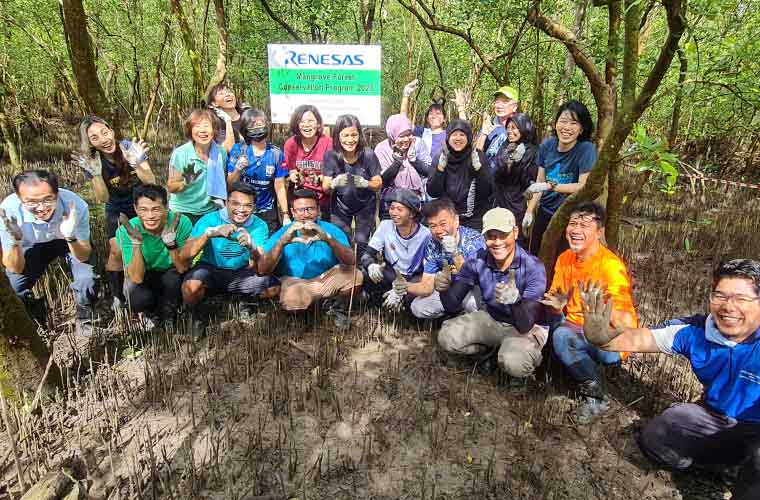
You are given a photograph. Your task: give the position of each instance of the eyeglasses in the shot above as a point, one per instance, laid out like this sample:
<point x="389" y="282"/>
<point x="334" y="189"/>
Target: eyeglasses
<point x="234" y="205"/>
<point x="44" y="203"/>
<point x="305" y="210"/>
<point x="720" y="298"/>
<point x="583" y="221"/>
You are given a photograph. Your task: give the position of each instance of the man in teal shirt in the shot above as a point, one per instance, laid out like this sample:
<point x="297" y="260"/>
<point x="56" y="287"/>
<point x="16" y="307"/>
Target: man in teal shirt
<point x="313" y="259"/>
<point x="230" y="239"/>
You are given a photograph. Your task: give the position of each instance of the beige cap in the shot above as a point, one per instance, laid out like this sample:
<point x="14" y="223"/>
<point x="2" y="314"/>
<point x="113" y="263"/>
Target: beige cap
<point x="499" y="219"/>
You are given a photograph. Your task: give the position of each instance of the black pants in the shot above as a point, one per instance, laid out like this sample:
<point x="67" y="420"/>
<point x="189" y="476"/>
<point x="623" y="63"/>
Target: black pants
<point x="389" y="275"/>
<point x="271" y="217"/>
<point x="540" y="224"/>
<point x="364" y="226"/>
<point x="159" y="290"/>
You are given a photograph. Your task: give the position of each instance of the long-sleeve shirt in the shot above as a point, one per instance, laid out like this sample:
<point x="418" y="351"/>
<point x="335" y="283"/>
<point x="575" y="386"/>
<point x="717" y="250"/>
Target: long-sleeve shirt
<point x="470" y="191"/>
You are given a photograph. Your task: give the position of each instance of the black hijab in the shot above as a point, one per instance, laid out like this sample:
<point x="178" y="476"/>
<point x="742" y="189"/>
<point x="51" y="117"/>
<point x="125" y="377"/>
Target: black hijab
<point x="459" y="160"/>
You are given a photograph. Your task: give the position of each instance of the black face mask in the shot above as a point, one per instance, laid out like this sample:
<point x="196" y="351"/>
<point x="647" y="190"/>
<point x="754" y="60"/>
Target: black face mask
<point x="256" y="134"/>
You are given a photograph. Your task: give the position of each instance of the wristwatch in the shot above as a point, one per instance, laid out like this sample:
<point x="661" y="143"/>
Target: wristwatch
<point x="172" y="246"/>
<point x="71" y="240"/>
<point x="552" y="185"/>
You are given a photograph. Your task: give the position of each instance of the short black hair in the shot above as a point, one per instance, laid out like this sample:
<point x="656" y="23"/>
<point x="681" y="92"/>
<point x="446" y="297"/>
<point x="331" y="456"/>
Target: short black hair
<point x="242" y="187"/>
<point x="435" y="106"/>
<point x="580" y="112"/>
<point x="739" y="268"/>
<point x="591" y="208"/>
<point x="35" y="177"/>
<point x="304" y="193"/>
<point x="438" y="205"/>
<point x="151" y="191"/>
<point x="344" y="122"/>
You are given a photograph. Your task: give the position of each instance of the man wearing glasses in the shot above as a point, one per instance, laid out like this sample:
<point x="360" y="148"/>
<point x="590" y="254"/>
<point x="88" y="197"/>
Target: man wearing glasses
<point x="230" y="239"/>
<point x="313" y="260"/>
<point x="724" y="351"/>
<point x="40" y="223"/>
<point x="587" y="261"/>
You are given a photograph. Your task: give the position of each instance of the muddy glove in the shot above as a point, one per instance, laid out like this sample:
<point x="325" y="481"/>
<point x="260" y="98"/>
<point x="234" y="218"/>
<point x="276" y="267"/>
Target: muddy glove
<point x="295" y="177"/>
<point x="410" y="87"/>
<point x="12" y="228"/>
<point x="556" y="299"/>
<point x="222" y="114"/>
<point x="449" y="245"/>
<point x="398" y="154"/>
<point x="69" y="223"/>
<point x="597" y="315"/>
<point x="443" y="159"/>
<point x="375" y="272"/>
<point x="134" y="234"/>
<point x="400" y="285"/>
<point x="136" y="153"/>
<point x="411" y="153"/>
<point x="442" y="280"/>
<point x="340" y="181"/>
<point x="488" y="125"/>
<point x="190" y="175"/>
<point x="360" y="181"/>
<point x="242" y="163"/>
<point x="223" y="231"/>
<point x="538" y="187"/>
<point x="392" y="302"/>
<point x="475" y="160"/>
<point x="507" y="293"/>
<point x="169" y="233"/>
<point x="90" y="164"/>
<point x="527" y="221"/>
<point x="519" y="152"/>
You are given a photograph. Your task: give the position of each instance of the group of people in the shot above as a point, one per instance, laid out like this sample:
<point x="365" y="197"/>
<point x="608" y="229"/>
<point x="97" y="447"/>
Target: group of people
<point x="460" y="221"/>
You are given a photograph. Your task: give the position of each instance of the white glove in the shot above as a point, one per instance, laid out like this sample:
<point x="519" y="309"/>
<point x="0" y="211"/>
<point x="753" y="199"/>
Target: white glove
<point x="69" y="223"/>
<point x="12" y="227"/>
<point x="488" y="125"/>
<point x="360" y="181"/>
<point x="242" y="163"/>
<point x="285" y="219"/>
<point x="507" y="293"/>
<point x="224" y="231"/>
<point x="136" y="153"/>
<point x="449" y="245"/>
<point x="375" y="272"/>
<point x="538" y="187"/>
<point x="90" y="164"/>
<point x="475" y="160"/>
<point x="411" y="153"/>
<point x="222" y="114"/>
<point x="527" y="221"/>
<point x="410" y="87"/>
<point x="393" y="301"/>
<point x="340" y="180"/>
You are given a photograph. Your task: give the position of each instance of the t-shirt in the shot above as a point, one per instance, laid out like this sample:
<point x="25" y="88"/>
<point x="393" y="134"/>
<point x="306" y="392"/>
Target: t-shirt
<point x="155" y="254"/>
<point x="36" y="231"/>
<point x="119" y="186"/>
<point x="563" y="168"/>
<point x="261" y="172"/>
<point x="436" y="141"/>
<point x="605" y="267"/>
<point x="350" y="199"/>
<point x="300" y="260"/>
<point x="470" y="241"/>
<point x="494" y="141"/>
<point x="227" y="253"/>
<point x="194" y="199"/>
<point x="404" y="254"/>
<point x="309" y="164"/>
<point x="221" y="130"/>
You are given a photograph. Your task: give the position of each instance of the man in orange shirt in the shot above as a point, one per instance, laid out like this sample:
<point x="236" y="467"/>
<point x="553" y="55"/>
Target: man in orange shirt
<point x="587" y="261"/>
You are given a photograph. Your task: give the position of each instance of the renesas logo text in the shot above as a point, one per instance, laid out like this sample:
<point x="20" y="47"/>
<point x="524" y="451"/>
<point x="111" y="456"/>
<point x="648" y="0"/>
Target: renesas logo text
<point x="299" y="59"/>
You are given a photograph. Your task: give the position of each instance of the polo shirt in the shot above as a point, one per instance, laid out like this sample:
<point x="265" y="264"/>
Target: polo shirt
<point x="194" y="199"/>
<point x="404" y="254"/>
<point x="261" y="172"/>
<point x="299" y="260"/>
<point x="227" y="253"/>
<point x="36" y="231"/>
<point x="481" y="271"/>
<point x="155" y="254"/>
<point x="470" y="241"/>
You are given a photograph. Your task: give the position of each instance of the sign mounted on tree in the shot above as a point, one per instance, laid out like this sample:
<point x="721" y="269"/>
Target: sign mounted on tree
<point x="337" y="79"/>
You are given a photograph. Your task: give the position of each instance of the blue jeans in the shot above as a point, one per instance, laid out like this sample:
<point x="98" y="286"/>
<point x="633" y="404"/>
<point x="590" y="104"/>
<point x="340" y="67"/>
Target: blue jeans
<point x="578" y="355"/>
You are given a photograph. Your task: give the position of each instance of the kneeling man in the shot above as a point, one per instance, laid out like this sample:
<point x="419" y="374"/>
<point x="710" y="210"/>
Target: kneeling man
<point x="512" y="283"/>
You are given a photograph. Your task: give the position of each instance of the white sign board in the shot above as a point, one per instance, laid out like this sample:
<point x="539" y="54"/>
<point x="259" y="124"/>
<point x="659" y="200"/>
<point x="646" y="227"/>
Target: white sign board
<point x="337" y="79"/>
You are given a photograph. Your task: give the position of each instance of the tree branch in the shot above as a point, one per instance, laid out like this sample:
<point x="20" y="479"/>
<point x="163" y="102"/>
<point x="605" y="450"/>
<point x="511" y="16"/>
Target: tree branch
<point x="293" y="34"/>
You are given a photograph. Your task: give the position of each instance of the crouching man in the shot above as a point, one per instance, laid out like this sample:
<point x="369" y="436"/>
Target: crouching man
<point x="230" y="239"/>
<point x="724" y="429"/>
<point x="313" y="260"/>
<point x="39" y="224"/>
<point x="395" y="252"/>
<point x="446" y="251"/>
<point x="151" y="245"/>
<point x="512" y="284"/>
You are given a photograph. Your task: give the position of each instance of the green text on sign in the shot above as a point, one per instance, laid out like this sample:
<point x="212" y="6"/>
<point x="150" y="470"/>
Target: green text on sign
<point x="324" y="81"/>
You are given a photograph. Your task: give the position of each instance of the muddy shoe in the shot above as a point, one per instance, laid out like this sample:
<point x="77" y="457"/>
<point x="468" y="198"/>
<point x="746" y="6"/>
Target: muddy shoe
<point x="336" y="310"/>
<point x="249" y="312"/>
<point x="488" y="364"/>
<point x="590" y="410"/>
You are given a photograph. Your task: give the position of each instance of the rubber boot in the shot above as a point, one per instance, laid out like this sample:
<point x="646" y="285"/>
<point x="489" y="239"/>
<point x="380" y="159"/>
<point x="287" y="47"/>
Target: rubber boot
<point x="36" y="309"/>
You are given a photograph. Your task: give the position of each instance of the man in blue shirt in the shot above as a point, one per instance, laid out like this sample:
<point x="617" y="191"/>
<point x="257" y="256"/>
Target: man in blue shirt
<point x="313" y="260"/>
<point x="446" y="251"/>
<point x="724" y="352"/>
<point x="230" y="239"/>
<point x="512" y="284"/>
<point x="39" y="224"/>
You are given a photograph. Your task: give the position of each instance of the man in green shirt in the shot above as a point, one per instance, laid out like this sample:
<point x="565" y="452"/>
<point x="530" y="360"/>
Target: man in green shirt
<point x="150" y="246"/>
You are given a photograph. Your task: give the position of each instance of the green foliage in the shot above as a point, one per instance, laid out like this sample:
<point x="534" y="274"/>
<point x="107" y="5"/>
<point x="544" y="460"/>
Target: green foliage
<point x="653" y="156"/>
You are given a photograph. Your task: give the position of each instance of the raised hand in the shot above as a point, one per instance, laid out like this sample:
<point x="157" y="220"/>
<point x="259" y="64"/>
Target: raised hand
<point x="136" y="153"/>
<point x="442" y="280"/>
<point x="449" y="245"/>
<point x="12" y="227"/>
<point x="169" y="232"/>
<point x="223" y="231"/>
<point x="488" y="125"/>
<point x="411" y="153"/>
<point x="461" y="100"/>
<point x="400" y="285"/>
<point x="360" y="181"/>
<point x="190" y="175"/>
<point x="222" y="114"/>
<point x="443" y="159"/>
<point x="242" y="163"/>
<point x="340" y="181"/>
<point x="134" y="234"/>
<point x="527" y="220"/>
<point x="475" y="157"/>
<point x="89" y="163"/>
<point x="410" y="87"/>
<point x="69" y="222"/>
<point x="556" y="299"/>
<point x="597" y="315"/>
<point x="507" y="293"/>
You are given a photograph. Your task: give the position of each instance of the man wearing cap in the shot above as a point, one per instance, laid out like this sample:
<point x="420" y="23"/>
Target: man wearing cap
<point x="396" y="249"/>
<point x="512" y="284"/>
<point x="493" y="133"/>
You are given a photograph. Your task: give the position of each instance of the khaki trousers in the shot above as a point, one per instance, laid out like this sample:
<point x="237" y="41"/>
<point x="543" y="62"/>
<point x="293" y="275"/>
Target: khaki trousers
<point x="297" y="294"/>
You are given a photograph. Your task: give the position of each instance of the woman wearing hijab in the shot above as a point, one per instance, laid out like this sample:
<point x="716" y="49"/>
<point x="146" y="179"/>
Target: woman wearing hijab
<point x="463" y="176"/>
<point x="404" y="160"/>
<point x="516" y="167"/>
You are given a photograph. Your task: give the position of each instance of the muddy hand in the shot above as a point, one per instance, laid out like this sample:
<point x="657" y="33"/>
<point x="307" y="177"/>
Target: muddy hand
<point x="69" y="222"/>
<point x="442" y="280"/>
<point x="90" y="164"/>
<point x="133" y="233"/>
<point x="11" y="227"/>
<point x="556" y="299"/>
<point x="400" y="285"/>
<point x="136" y="153"/>
<point x="507" y="293"/>
<point x="169" y="232"/>
<point x="597" y="315"/>
<point x="190" y="175"/>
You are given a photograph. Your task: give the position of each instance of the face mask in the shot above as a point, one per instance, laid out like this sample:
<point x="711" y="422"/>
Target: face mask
<point x="256" y="134"/>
